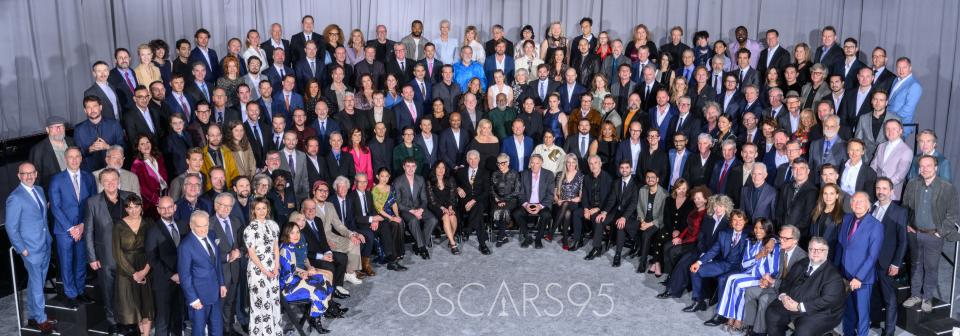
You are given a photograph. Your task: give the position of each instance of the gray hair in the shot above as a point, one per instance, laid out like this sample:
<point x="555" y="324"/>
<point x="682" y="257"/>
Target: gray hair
<point x="728" y="142"/>
<point x="197" y="216"/>
<point x="521" y="71"/>
<point x="793" y="230"/>
<point x="473" y="153"/>
<point x="711" y="104"/>
<point x="341" y="180"/>
<point x="833" y="117"/>
<point x="350" y="94"/>
<point x="721" y="200"/>
<point x="820" y="241"/>
<point x="260" y="177"/>
<point x="821" y="67"/>
<point x="115" y="148"/>
<point x="686" y="98"/>
<point x="223" y="196"/>
<point x="503" y="156"/>
<point x="928" y="131"/>
<point x="705" y="136"/>
<point x="761" y="166"/>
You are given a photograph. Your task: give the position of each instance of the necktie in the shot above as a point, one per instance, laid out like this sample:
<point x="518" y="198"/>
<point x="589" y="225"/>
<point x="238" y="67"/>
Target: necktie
<point x="686" y="73"/>
<point x="413" y="111"/>
<point x="473" y="176"/>
<point x="286" y="100"/>
<point x="213" y="256"/>
<point x="723" y="175"/>
<point x="783" y="265"/>
<point x="543" y="90"/>
<point x="36" y="196"/>
<point x="363" y="206"/>
<point x="256" y="133"/>
<point x="750" y="137"/>
<point x="856" y="223"/>
<point x="743" y="75"/>
<point x="220" y="117"/>
<point x="429" y="68"/>
<point x="313" y="225"/>
<point x="336" y="156"/>
<point x="788" y="176"/>
<point x="313" y="68"/>
<point x="184" y="107"/>
<point x="280" y="69"/>
<point x="203" y="87"/>
<point x="228" y="230"/>
<point x="174" y="233"/>
<point x="736" y="239"/>
<point x="583" y="146"/>
<point x="826" y="148"/>
<point x="76" y="184"/>
<point x="680" y="123"/>
<point x="343" y="211"/>
<point x="423" y="90"/>
<point x="810" y="270"/>
<point x="276" y="140"/>
<point x="126" y="75"/>
<point x="291" y="164"/>
<point x="623" y="187"/>
<point x="403" y="66"/>
<point x="323" y="127"/>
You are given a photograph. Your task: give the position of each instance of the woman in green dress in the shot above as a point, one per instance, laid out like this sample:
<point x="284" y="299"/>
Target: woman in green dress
<point x="134" y="296"/>
<point x="391" y="230"/>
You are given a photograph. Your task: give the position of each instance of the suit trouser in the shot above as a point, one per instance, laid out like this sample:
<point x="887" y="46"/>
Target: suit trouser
<point x="231" y="280"/>
<point x="712" y="269"/>
<point x="887" y="289"/>
<point x="756" y="302"/>
<point x="778" y="317"/>
<point x="37" y="263"/>
<point x="106" y="279"/>
<point x="646" y="236"/>
<point x="366" y="248"/>
<point x="391" y="238"/>
<point x="856" y="312"/>
<point x="72" y="256"/>
<point x="475" y="220"/>
<point x="577" y="223"/>
<point x="421" y="228"/>
<point x="925" y="260"/>
<point x="520" y="215"/>
<point x="207" y="319"/>
<point x="168" y="303"/>
<point x="629" y="228"/>
<point x="338" y="266"/>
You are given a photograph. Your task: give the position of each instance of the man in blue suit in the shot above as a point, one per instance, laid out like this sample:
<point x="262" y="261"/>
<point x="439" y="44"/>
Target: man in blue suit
<point x="858" y="247"/>
<point x="722" y="259"/>
<point x="287" y="99"/>
<point x="26" y="221"/>
<point x="519" y="147"/>
<point x="453" y="142"/>
<point x="570" y="91"/>
<point x="663" y="112"/>
<point x="69" y="191"/>
<point x="499" y="61"/>
<point x="208" y="56"/>
<point x="201" y="277"/>
<point x="422" y="89"/>
<point x="310" y="67"/>
<point x="905" y="93"/>
<point x="278" y="70"/>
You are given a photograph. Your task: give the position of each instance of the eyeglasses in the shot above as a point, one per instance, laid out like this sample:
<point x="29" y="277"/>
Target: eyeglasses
<point x="501" y="162"/>
<point x="820" y="250"/>
<point x="786" y="238"/>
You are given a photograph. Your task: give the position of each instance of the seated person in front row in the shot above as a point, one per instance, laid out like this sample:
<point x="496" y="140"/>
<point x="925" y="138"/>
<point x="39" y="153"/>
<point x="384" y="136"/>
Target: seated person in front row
<point x="811" y="297"/>
<point x="621" y="210"/>
<point x="720" y="261"/>
<point x="301" y="281"/>
<point x="757" y="299"/>
<point x="761" y="259"/>
<point x="537" y="197"/>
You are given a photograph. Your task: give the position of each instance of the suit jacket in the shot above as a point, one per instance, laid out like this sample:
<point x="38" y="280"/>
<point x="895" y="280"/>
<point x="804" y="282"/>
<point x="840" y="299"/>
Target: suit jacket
<point x="346" y="214"/>
<point x="691" y="127"/>
<point x="490" y="66"/>
<point x="162" y="253"/>
<point x="176" y="107"/>
<point x="303" y="73"/>
<point x="299" y="172"/>
<point x="904" y="99"/>
<point x="108" y="107"/>
<point x="734" y="107"/>
<point x="821" y="293"/>
<point x="468" y="122"/>
<point x="45" y="160"/>
<point x="98" y="229"/>
<point x="273" y="75"/>
<point x="834" y="56"/>
<point x="866" y="178"/>
<point x="648" y="99"/>
<point x="822" y="92"/>
<point x="848" y="110"/>
<point x="404" y="118"/>
<point x="672" y="157"/>
<point x="866" y="133"/>
<point x="334" y="229"/>
<point x="453" y="152"/>
<point x="697" y="172"/>
<point x="316" y="172"/>
<point x="479" y="190"/>
<point x="780" y="61"/>
<point x="229" y="166"/>
<point x="299" y="41"/>
<point x="836" y="157"/>
<point x="796" y="209"/>
<point x="344" y="167"/>
<point x="200" y="274"/>
<point x="551" y="86"/>
<point x="224" y="245"/>
<point x="664" y="127"/>
<point x="884" y="80"/>
<point x="570" y="100"/>
<point x="709" y="232"/>
<point x="657" y="211"/>
<point x="213" y="66"/>
<point x="316" y="240"/>
<point x="434" y="77"/>
<point x="623" y="201"/>
<point x="26" y="224"/>
<point x="894" y="222"/>
<point x="136" y="125"/>
<point x="857" y="253"/>
<point x="758" y="203"/>
<point x="751" y="77"/>
<point x="725" y="251"/>
<point x="408" y="199"/>
<point x="721" y="188"/>
<point x="545" y="187"/>
<point x="422" y="97"/>
<point x="296" y="101"/>
<point x="509" y="146"/>
<point x="799" y="256"/>
<point x="850" y="77"/>
<point x="67" y="208"/>
<point x="123" y="90"/>
<point x="896" y="166"/>
<point x="267" y="47"/>
<point x="392" y="66"/>
<point x="362" y="214"/>
<point x="431" y="154"/>
<point x="259" y="149"/>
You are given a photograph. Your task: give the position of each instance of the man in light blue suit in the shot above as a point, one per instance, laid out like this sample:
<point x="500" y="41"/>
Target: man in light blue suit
<point x="26" y="221"/>
<point x="858" y="247"/>
<point x="201" y="277"/>
<point x="69" y="191"/>
<point x="905" y="93"/>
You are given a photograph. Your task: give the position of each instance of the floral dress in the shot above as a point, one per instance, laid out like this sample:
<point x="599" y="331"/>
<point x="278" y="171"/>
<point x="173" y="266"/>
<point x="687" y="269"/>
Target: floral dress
<point x="264" y="293"/>
<point x="314" y="288"/>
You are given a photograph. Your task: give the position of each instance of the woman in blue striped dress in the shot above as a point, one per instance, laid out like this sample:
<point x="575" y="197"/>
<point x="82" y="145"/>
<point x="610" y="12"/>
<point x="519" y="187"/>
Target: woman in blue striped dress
<point x="761" y="257"/>
<point x="300" y="281"/>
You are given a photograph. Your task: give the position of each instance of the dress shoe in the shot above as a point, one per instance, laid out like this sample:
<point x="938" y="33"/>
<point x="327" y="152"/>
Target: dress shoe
<point x="616" y="260"/>
<point x="395" y="266"/>
<point x="367" y="267"/>
<point x="595" y="252"/>
<point x="664" y="295"/>
<point x="548" y="237"/>
<point x="501" y="241"/>
<point x="426" y="254"/>
<point x="343" y="290"/>
<point x="112" y="329"/>
<point x="576" y="246"/>
<point x="46" y="327"/>
<point x="696" y="306"/>
<point x="526" y="242"/>
<point x="711" y="302"/>
<point x="484" y="250"/>
<point x="715" y="321"/>
<point x="84" y="299"/>
<point x="71" y="303"/>
<point x="537" y="244"/>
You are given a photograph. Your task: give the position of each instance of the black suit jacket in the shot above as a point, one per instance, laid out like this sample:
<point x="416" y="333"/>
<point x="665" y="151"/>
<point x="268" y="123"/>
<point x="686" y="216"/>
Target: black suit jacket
<point x="162" y="253"/>
<point x="552" y="86"/>
<point x="822" y="293"/>
<point x="267" y="47"/>
<point x="317" y="172"/>
<point x="124" y="93"/>
<point x="691" y="127"/>
<point x="403" y="76"/>
<point x="297" y="42"/>
<point x="452" y="152"/>
<point x="361" y="217"/>
<point x="45" y="160"/>
<point x="796" y="209"/>
<point x="596" y="198"/>
<point x="434" y="77"/>
<point x="894" y="237"/>
<point x="709" y="230"/>
<point x="343" y="168"/>
<point x="480" y="189"/>
<point x="622" y="202"/>
<point x="650" y="99"/>
<point x="780" y="61"/>
<point x="866" y="179"/>
<point x="107" y="112"/>
<point x="849" y="112"/>
<point x="259" y="150"/>
<point x="316" y="240"/>
<point x="834" y="56"/>
<point x="697" y="173"/>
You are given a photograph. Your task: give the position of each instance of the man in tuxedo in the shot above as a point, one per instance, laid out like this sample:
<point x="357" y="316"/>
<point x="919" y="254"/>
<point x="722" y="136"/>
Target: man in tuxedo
<point x="310" y="67"/>
<point x="201" y="277"/>
<point x="276" y="41"/>
<point x="774" y="56"/>
<point x="537" y="188"/>
<point x="412" y="202"/>
<point x="229" y="233"/>
<point x="298" y="42"/>
<point x="796" y="199"/>
<point x="811" y="295"/>
<point x="858" y="247"/>
<point x="474" y="193"/>
<point x="109" y="95"/>
<point x="295" y="161"/>
<point x="319" y="251"/>
<point x="103" y="210"/>
<point x="757" y="299"/>
<point x="757" y="198"/>
<point x="68" y="193"/>
<point x="141" y="120"/>
<point x="722" y="259"/>
<point x="620" y="210"/>
<point x="894" y="220"/>
<point x="161" y="244"/>
<point x="744" y="72"/>
<point x="26" y="218"/>
<point x="207" y="56"/>
<point x="339" y="162"/>
<point x="122" y="78"/>
<point x="453" y="142"/>
<point x="829" y="53"/>
<point x="831" y="148"/>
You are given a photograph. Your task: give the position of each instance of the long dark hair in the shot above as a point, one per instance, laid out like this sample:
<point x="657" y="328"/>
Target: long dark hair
<point x="767" y="226"/>
<point x="230" y="142"/>
<point x="446" y="174"/>
<point x="287" y="229"/>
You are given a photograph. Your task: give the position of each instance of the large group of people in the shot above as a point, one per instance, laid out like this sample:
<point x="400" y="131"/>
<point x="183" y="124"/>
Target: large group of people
<point x="774" y="184"/>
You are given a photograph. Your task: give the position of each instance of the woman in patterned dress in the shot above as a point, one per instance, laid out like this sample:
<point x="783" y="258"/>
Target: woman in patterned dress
<point x="301" y="281"/>
<point x="262" y="270"/>
<point x="567" y="198"/>
<point x="761" y="258"/>
<point x="385" y="202"/>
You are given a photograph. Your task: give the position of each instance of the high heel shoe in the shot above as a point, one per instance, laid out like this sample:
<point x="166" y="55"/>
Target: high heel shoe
<point x="317" y="325"/>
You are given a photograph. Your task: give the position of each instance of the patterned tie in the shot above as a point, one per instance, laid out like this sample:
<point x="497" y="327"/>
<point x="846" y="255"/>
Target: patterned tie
<point x="723" y="175"/>
<point x="286" y="99"/>
<point x="184" y="107"/>
<point x="174" y="233"/>
<point x="203" y="87"/>
<point x="126" y="75"/>
<point x="736" y="239"/>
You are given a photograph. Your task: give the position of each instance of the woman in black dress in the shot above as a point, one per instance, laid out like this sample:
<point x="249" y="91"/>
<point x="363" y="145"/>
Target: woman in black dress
<point x="486" y="144"/>
<point x="676" y="209"/>
<point x="606" y="147"/>
<point x="443" y="201"/>
<point x="827" y="216"/>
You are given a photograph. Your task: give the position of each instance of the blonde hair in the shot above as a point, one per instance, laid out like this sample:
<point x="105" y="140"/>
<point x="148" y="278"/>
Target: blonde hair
<point x="467" y="31"/>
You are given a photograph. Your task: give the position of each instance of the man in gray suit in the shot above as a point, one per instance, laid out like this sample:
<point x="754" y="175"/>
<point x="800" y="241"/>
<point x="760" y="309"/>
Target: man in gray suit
<point x="758" y="198"/>
<point x="893" y="158"/>
<point x="229" y="231"/>
<point x="790" y="121"/>
<point x="295" y="161"/>
<point x="757" y="299"/>
<point x="537" y="197"/>
<point x="103" y="210"/>
<point x="412" y="201"/>
<point x="873" y="136"/>
<point x="831" y="148"/>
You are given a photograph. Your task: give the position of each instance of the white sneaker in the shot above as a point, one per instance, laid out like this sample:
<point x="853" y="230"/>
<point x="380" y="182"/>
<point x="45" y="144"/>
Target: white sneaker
<point x="343" y="290"/>
<point x="912" y="301"/>
<point x="352" y="278"/>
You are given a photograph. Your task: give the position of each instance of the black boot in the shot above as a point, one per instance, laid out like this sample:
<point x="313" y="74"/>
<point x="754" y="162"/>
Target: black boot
<point x="317" y="325"/>
<point x="595" y="252"/>
<point x="616" y="260"/>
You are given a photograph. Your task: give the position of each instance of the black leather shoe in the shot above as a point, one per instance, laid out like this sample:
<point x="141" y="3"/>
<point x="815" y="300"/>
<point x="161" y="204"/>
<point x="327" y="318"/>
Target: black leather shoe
<point x="595" y="252"/>
<point x="337" y="295"/>
<point x="696" y="306"/>
<point x="715" y="321"/>
<point x="616" y="260"/>
<point x="317" y="325"/>
<point x="84" y="299"/>
<point x="711" y="302"/>
<point x="501" y="241"/>
<point x="426" y="253"/>
<point x="71" y="303"/>
<point x="484" y="250"/>
<point x="664" y="295"/>
<point x="526" y="242"/>
<point x="537" y="244"/>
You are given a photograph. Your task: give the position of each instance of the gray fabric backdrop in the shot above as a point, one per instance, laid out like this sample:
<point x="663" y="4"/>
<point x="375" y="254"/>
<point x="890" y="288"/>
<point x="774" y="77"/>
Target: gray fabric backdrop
<point x="54" y="42"/>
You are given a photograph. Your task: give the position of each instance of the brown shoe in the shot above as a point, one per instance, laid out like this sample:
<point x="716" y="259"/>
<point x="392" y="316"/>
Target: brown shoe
<point x="366" y="266"/>
<point x="46" y="327"/>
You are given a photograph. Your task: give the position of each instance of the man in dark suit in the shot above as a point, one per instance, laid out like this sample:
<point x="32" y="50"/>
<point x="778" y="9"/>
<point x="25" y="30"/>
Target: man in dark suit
<point x="774" y="56"/>
<point x="206" y="55"/>
<point x="620" y="208"/>
<point x="744" y="72"/>
<point x="277" y="71"/>
<point x="685" y="123"/>
<point x="190" y="200"/>
<point x="339" y="162"/>
<point x="727" y="169"/>
<point x="43" y="154"/>
<point x="453" y="142"/>
<point x="648" y="88"/>
<point x="229" y="232"/>
<point x="722" y="259"/>
<point x="431" y="64"/>
<point x="699" y="166"/>
<point x="287" y="99"/>
<point x="829" y="53"/>
<point x="141" y="120"/>
<point x="366" y="220"/>
<point x="537" y="188"/>
<point x="201" y="277"/>
<point x="796" y="199"/>
<point x="856" y="101"/>
<point x="831" y="148"/>
<point x="570" y="91"/>
<point x="474" y="192"/>
<point x="122" y="77"/>
<point x="422" y="89"/>
<point x="310" y="67"/>
<point x="850" y="67"/>
<point x="412" y="202"/>
<point x="757" y="299"/>
<point x="579" y="144"/>
<point x="299" y="41"/>
<point x="710" y="229"/>
<point x="110" y="97"/>
<point x="489" y="48"/>
<point x="258" y="133"/>
<point x="161" y="244"/>
<point x="471" y="114"/>
<point x="811" y="296"/>
<point x="400" y="66"/>
<point x="882" y="77"/>
<point x="518" y="147"/>
<point x="318" y="249"/>
<point x="68" y="193"/>
<point x="785" y="173"/>
<point x="428" y="142"/>
<point x="178" y="99"/>
<point x="894" y="220"/>
<point x="408" y="112"/>
<point x="858" y="248"/>
<point x="757" y="198"/>
<point x="276" y="41"/>
<point x="544" y="85"/>
<point x="103" y="210"/>
<point x="730" y="100"/>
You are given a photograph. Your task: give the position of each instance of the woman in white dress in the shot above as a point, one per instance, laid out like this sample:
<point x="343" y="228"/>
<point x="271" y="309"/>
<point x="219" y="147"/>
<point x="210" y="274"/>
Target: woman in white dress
<point x="263" y="249"/>
<point x="470" y="39"/>
<point x="499" y="86"/>
<point x="253" y="49"/>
